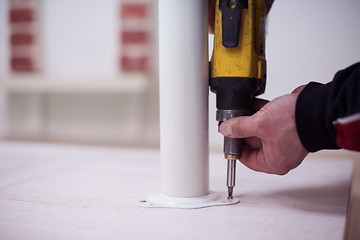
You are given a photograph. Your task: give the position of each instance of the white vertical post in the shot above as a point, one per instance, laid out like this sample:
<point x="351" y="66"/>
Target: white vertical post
<point x="183" y="60"/>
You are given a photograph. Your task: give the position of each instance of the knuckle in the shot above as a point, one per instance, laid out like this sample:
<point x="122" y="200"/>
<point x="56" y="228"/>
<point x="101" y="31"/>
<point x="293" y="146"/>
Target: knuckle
<point x="282" y="172"/>
<point x="238" y="129"/>
<point x="259" y="125"/>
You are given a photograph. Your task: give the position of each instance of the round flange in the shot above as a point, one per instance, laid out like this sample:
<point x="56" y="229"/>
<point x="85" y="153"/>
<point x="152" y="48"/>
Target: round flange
<point x="213" y="199"/>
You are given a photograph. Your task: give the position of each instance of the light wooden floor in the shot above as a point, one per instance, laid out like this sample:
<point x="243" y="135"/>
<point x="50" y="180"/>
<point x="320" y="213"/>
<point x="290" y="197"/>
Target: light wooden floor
<point x="353" y="223"/>
<point x="50" y="191"/>
<point x="354" y="210"/>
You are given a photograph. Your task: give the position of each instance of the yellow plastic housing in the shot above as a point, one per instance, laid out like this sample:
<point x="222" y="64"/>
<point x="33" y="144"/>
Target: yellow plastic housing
<point x="248" y="58"/>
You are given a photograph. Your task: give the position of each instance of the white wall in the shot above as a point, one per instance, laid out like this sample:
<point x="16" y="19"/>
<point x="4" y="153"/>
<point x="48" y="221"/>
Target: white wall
<point x="87" y="31"/>
<point x="4" y="51"/>
<point x="310" y="40"/>
<point x="3" y="59"/>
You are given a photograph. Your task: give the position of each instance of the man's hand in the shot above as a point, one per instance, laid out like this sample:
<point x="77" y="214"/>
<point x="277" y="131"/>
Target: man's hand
<point x="271" y="143"/>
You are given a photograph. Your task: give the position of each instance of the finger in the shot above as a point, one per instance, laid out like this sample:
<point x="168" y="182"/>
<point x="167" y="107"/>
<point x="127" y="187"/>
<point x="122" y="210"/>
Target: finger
<point x="298" y="89"/>
<point x="211" y="15"/>
<point x="255" y="160"/>
<point x="249" y="157"/>
<point x="253" y="142"/>
<point x="239" y="127"/>
<point x="268" y="4"/>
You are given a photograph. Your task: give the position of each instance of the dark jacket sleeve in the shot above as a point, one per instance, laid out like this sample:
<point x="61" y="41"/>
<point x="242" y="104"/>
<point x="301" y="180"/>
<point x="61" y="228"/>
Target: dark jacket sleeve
<point x="328" y="115"/>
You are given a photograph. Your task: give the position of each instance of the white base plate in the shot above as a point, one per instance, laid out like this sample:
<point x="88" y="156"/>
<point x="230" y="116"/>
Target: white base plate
<point x="158" y="200"/>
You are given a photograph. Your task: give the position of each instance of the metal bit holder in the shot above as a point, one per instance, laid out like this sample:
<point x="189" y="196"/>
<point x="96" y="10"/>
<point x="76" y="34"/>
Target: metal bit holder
<point x="232" y="147"/>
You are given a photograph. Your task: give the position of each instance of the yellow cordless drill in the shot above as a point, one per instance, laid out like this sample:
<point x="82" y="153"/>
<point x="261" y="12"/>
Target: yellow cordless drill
<point x="237" y="67"/>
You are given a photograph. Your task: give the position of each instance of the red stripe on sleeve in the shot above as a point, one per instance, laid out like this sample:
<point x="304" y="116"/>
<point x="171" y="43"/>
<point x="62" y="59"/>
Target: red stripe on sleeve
<point x="348" y="132"/>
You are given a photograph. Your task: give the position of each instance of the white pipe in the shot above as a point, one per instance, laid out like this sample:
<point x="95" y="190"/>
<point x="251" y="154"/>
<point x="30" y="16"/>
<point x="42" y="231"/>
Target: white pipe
<point x="183" y="59"/>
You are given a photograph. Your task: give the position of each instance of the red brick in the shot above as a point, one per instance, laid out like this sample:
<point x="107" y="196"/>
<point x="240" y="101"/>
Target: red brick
<point x="22" y="39"/>
<point x="134" y="10"/>
<point x="22" y="64"/>
<point x="129" y="64"/>
<point x="134" y="37"/>
<point x="17" y="15"/>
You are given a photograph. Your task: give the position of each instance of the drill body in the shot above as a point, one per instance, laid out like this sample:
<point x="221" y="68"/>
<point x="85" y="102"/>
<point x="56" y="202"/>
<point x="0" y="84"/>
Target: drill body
<point x="237" y="67"/>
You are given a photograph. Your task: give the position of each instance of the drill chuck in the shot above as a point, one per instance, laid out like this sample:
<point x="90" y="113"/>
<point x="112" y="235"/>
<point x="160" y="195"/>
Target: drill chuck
<point x="232" y="146"/>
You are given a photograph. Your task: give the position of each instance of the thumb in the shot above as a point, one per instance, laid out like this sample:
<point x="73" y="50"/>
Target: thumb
<point x="298" y="89"/>
<point x="239" y="127"/>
